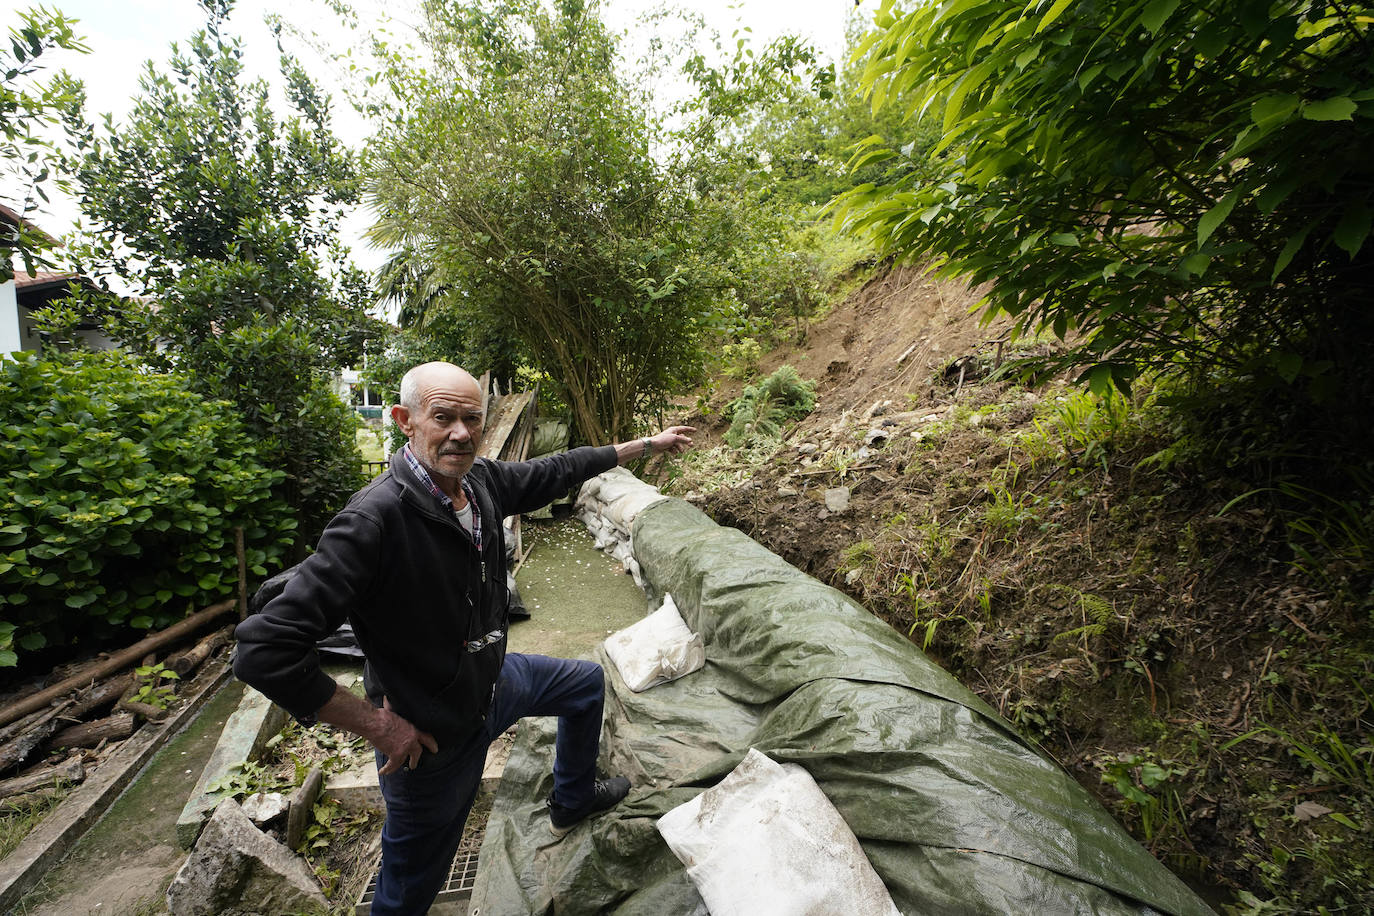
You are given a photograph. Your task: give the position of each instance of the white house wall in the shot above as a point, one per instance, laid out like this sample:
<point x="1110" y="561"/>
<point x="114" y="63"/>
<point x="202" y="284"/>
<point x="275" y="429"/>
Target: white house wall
<point x="10" y="339"/>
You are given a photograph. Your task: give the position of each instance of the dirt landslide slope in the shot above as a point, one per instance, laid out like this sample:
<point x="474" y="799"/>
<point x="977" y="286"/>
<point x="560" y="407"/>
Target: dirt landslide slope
<point x="1054" y="552"/>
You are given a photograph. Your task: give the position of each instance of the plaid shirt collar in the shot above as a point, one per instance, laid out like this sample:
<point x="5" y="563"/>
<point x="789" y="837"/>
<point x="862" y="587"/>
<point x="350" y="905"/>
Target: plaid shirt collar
<point x="422" y="475"/>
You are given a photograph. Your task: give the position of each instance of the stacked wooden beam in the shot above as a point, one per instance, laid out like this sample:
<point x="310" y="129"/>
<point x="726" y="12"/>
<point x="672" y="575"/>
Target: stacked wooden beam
<point x="86" y="714"/>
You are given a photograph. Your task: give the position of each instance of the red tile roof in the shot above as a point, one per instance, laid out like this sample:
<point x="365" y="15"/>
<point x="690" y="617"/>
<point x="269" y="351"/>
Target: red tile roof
<point x="14" y="219"/>
<point x="42" y="278"/>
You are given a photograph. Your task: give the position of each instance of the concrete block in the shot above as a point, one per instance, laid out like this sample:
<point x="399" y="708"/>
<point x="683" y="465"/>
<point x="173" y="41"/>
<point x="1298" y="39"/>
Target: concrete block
<point x="356" y="788"/>
<point x="245" y="734"/>
<point x="237" y="870"/>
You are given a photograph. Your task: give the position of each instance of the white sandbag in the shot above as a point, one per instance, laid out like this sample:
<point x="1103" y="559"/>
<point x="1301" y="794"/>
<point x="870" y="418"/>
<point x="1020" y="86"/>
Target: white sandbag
<point x="618" y="496"/>
<point x="766" y="841"/>
<point x="656" y="650"/>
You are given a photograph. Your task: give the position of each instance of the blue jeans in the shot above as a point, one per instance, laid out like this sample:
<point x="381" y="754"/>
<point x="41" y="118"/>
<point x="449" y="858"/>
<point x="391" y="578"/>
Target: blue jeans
<point x="427" y="807"/>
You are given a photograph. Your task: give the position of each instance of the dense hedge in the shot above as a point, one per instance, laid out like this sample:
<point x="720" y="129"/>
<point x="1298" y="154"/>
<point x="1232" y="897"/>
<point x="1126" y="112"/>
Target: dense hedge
<point x="121" y="493"/>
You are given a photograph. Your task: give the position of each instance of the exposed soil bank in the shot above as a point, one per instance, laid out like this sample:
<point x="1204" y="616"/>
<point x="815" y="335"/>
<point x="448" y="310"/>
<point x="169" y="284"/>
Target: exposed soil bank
<point x="1104" y="589"/>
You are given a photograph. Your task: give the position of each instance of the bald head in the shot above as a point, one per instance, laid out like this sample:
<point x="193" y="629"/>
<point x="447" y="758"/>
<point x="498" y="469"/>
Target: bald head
<point x="440" y="411"/>
<point x="430" y="375"/>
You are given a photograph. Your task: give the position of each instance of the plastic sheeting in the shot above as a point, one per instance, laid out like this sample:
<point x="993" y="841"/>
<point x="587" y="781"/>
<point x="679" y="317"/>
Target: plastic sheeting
<point x="956" y="813"/>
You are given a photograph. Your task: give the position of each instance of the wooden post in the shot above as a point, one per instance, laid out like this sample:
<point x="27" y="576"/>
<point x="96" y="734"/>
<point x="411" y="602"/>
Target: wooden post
<point x="243" y="572"/>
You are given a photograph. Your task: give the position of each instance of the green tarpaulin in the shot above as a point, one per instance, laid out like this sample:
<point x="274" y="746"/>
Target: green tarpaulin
<point x="955" y="811"/>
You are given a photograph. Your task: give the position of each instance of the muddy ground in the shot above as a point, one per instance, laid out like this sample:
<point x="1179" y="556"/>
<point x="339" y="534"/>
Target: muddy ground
<point x="1090" y="580"/>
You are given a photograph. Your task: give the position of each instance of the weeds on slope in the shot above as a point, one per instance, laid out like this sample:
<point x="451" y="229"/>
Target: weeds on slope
<point x="1190" y="638"/>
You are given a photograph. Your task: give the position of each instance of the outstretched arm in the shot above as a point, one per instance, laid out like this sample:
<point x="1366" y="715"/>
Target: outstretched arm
<point x="673" y="440"/>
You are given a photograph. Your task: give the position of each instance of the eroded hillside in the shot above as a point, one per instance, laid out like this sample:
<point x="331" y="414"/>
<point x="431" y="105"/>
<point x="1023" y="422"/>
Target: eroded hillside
<point x="1126" y="606"/>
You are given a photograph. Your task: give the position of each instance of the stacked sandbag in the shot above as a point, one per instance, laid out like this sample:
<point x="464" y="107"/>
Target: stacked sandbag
<point x="608" y="505"/>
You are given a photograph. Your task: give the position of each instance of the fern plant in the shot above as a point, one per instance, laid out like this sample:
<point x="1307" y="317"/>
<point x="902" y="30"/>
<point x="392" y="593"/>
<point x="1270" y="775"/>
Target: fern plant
<point x="761" y="410"/>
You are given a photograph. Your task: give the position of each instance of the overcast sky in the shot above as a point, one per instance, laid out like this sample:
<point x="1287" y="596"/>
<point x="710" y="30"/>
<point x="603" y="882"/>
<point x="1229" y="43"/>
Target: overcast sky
<point x="122" y="34"/>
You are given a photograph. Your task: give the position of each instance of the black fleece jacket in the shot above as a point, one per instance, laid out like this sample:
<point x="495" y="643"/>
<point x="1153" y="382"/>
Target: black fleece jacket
<point x="422" y="602"/>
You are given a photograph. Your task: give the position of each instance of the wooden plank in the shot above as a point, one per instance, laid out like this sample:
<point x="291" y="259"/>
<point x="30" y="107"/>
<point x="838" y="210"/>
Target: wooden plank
<point x="509" y="410"/>
<point x="484" y="383"/>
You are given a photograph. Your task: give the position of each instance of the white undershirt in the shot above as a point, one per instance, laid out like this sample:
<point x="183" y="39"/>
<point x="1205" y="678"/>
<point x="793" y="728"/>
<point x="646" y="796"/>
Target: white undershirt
<point x="465" y="516"/>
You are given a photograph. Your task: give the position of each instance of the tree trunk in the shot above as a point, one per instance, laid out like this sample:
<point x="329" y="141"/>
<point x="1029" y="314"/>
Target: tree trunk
<point x="188" y="661"/>
<point x="25" y="737"/>
<point x="70" y="771"/>
<point x="100" y="695"/>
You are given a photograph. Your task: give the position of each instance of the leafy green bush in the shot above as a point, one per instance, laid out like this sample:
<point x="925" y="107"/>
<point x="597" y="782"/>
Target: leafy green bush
<point x="218" y="207"/>
<point x="741" y="358"/>
<point x="1165" y="183"/>
<point x="758" y="413"/>
<point x="122" y="492"/>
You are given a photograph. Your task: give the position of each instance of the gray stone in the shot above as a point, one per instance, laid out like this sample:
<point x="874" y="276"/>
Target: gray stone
<point x="302" y="801"/>
<point x="863" y="454"/>
<point x="854" y="575"/>
<point x="264" y="807"/>
<point x="876" y="437"/>
<point x="787" y="491"/>
<point x="237" y="870"/>
<point x="837" y="499"/>
<point x="245" y="734"/>
<point x="808" y="448"/>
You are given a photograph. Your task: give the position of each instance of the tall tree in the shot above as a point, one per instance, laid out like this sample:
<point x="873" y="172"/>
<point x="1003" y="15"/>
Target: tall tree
<point x="222" y="218"/>
<point x="28" y="105"/>
<point x="521" y="174"/>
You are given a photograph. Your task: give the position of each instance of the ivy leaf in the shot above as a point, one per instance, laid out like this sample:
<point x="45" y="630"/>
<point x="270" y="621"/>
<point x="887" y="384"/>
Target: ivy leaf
<point x="1196" y="264"/>
<point x="1054" y="13"/>
<point x="1338" y="108"/>
<point x="1288" y="366"/>
<point x="1157" y="13"/>
<point x="8" y="659"/>
<point x="1290" y="249"/>
<point x="1269" y="110"/>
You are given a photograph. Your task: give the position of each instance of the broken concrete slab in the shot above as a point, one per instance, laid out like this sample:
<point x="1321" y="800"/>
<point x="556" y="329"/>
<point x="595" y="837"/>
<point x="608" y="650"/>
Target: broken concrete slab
<point x="264" y="807"/>
<point x="356" y="788"/>
<point x="237" y="870"/>
<point x="255" y="721"/>
<point x="301" y="804"/>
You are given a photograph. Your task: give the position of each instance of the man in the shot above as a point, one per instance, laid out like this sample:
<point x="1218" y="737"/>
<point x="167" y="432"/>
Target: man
<point x="416" y="562"/>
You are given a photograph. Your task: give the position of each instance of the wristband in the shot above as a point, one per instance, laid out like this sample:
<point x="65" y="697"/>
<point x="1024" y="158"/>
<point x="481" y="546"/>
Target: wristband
<point x="648" y="446"/>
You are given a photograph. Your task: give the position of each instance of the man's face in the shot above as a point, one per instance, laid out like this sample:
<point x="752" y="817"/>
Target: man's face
<point x="446" y="429"/>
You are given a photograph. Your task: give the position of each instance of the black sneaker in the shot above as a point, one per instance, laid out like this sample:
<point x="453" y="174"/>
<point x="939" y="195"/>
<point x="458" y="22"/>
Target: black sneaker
<point x="606" y="794"/>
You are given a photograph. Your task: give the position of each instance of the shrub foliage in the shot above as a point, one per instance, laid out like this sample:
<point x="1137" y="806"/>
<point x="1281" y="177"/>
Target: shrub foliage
<point x="1181" y="182"/>
<point x="222" y="217"/>
<point x="122" y="492"/>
